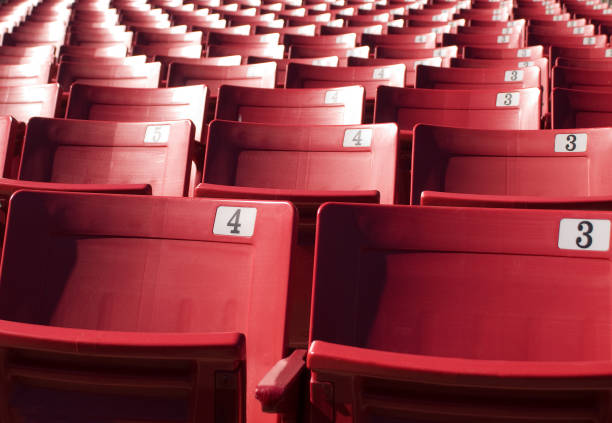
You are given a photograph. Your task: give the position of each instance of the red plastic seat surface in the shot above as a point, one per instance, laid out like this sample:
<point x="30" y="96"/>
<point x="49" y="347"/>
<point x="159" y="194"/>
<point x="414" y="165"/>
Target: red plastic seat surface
<point x="136" y="307"/>
<point x="513" y="163"/>
<point x="138" y="104"/>
<point x="412" y="319"/>
<point x="315" y="106"/>
<point x="134" y="76"/>
<point x="25" y="102"/>
<point x="580" y="109"/>
<point x="95" y="152"/>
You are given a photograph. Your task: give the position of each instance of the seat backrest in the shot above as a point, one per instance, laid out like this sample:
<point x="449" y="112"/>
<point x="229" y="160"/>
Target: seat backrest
<point x="501" y="41"/>
<point x="477" y="78"/>
<point x="341" y="40"/>
<point x="517" y="163"/>
<point x="134" y="76"/>
<point x="113" y="50"/>
<point x="389" y="280"/>
<point x="525" y="53"/>
<point x="302" y="160"/>
<point x="370" y="77"/>
<point x="24" y="74"/>
<point x="190" y="50"/>
<point x="259" y="75"/>
<point x="425" y="261"/>
<point x="118" y="104"/>
<point x="582" y="79"/>
<point x="98" y="152"/>
<point x="111" y="263"/>
<point x="592" y="41"/>
<point x="24" y="102"/>
<point x="600" y="64"/>
<point x="246" y="50"/>
<point x="580" y="109"/>
<point x="260" y="39"/>
<point x="343" y="53"/>
<point x="424" y="39"/>
<point x="487" y="109"/>
<point x="308" y="106"/>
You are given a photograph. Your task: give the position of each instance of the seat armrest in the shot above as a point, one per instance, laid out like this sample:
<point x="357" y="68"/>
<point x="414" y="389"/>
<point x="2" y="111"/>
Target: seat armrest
<point x="278" y="391"/>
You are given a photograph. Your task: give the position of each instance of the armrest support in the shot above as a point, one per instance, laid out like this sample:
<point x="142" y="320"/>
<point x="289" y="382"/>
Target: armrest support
<point x="279" y="388"/>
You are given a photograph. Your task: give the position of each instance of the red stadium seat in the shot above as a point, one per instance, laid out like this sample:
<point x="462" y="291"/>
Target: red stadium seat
<point x="308" y="165"/>
<point x="491" y="53"/>
<point x="114" y="50"/>
<point x="151" y="38"/>
<point x="24" y="74"/>
<point x="104" y="351"/>
<point x="411" y="65"/>
<point x="423" y="39"/>
<point x="510" y="41"/>
<point x="341" y="40"/>
<point x="261" y="75"/>
<point x="313" y="106"/>
<point x="511" y="163"/>
<point x="370" y="77"/>
<point x="28" y="101"/>
<point x="477" y="78"/>
<point x="96" y="152"/>
<point x="445" y="53"/>
<point x="258" y="40"/>
<point x="593" y="41"/>
<point x="412" y="319"/>
<point x="342" y="52"/>
<point x="134" y="76"/>
<point x="189" y="50"/>
<point x="580" y="109"/>
<point x="582" y="79"/>
<point x="84" y="38"/>
<point x="19" y="54"/>
<point x="594" y="64"/>
<point x="281" y="65"/>
<point x="118" y="104"/>
<point x="246" y="50"/>
<point x="487" y="109"/>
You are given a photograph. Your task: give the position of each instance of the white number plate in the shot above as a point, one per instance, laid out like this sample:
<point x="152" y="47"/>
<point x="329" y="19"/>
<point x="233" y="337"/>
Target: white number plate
<point x="524" y="52"/>
<point x="357" y="138"/>
<point x="570" y="143"/>
<point x="514" y="76"/>
<point x="235" y="221"/>
<point x="584" y="234"/>
<point x="507" y="99"/>
<point x="157" y="134"/>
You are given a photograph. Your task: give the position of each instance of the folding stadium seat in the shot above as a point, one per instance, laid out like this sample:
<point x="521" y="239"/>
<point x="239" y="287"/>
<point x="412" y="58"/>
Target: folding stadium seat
<point x="101" y="50"/>
<point x="308" y="165"/>
<point x="568" y="40"/>
<point x="511" y="163"/>
<point x="25" y="38"/>
<point x="510" y="41"/>
<point x="308" y="106"/>
<point x="24" y="102"/>
<point x="424" y="40"/>
<point x="586" y="30"/>
<point x="357" y="30"/>
<point x="484" y="14"/>
<point x="579" y="53"/>
<point x="20" y="54"/>
<point x="128" y="60"/>
<point x="601" y="64"/>
<point x="221" y="38"/>
<point x="135" y="76"/>
<point x="195" y="18"/>
<point x="261" y="75"/>
<point x="296" y="30"/>
<point x="342" y="40"/>
<point x="234" y="60"/>
<point x="97" y="37"/>
<point x="240" y="30"/>
<point x="151" y="38"/>
<point x="118" y="104"/>
<point x="445" y="53"/>
<point x="24" y="74"/>
<point x="370" y="77"/>
<point x="449" y="316"/>
<point x="411" y="65"/>
<point x="582" y="79"/>
<point x="97" y="152"/>
<point x="528" y="53"/>
<point x="487" y="109"/>
<point x="189" y="50"/>
<point x="265" y="19"/>
<point x="281" y="65"/>
<point x="87" y="350"/>
<point x="581" y="109"/>
<point x="477" y="78"/>
<point x="246" y="50"/>
<point x="342" y="52"/>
